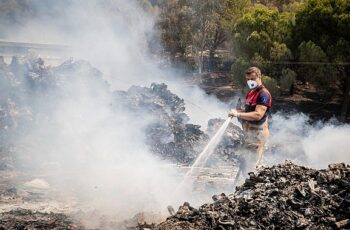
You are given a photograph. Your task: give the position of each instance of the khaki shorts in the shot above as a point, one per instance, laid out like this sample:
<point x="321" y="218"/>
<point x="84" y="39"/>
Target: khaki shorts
<point x="253" y="147"/>
<point x="255" y="136"/>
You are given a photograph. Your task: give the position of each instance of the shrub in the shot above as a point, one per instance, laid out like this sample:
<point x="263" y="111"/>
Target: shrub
<point x="287" y="79"/>
<point x="271" y="84"/>
<point x="238" y="71"/>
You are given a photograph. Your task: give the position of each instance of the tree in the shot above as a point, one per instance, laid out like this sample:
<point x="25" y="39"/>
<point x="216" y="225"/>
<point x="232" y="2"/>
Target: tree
<point x="271" y="84"/>
<point x="324" y="22"/>
<point x="260" y="36"/>
<point x="287" y="80"/>
<point x="233" y="10"/>
<point x="327" y="24"/>
<point x="211" y="24"/>
<point x="258" y="31"/>
<point x="238" y="71"/>
<point x="315" y="68"/>
<point x="205" y="16"/>
<point x="192" y="27"/>
<point x="279" y="4"/>
<point x="175" y="30"/>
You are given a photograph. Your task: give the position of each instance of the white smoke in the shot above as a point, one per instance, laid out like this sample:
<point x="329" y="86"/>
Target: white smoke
<point x="83" y="147"/>
<point x="327" y="145"/>
<point x="316" y="145"/>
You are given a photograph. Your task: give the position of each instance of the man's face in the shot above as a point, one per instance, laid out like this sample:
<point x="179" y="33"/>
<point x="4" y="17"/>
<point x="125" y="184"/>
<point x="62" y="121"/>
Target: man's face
<point x="253" y="77"/>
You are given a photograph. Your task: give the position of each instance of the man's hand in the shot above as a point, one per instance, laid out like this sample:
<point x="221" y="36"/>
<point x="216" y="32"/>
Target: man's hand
<point x="233" y="113"/>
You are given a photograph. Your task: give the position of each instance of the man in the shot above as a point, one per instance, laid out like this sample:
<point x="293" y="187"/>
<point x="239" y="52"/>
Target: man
<point x="254" y="118"/>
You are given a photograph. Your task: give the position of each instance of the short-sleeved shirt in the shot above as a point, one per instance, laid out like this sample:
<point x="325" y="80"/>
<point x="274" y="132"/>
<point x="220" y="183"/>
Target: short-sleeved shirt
<point x="258" y="96"/>
<point x="264" y="98"/>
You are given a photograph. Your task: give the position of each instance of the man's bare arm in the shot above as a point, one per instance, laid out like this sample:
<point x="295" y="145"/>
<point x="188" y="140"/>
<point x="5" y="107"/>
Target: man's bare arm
<point x="256" y="115"/>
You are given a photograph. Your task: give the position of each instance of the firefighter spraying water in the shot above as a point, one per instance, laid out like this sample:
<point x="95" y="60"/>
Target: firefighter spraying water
<point x="253" y="116"/>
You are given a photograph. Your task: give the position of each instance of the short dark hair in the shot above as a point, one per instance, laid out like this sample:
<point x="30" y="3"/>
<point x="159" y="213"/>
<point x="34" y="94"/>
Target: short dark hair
<point x="253" y="70"/>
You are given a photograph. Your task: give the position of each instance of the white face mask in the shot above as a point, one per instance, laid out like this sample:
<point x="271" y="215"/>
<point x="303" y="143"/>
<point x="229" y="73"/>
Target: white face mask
<point x="252" y="84"/>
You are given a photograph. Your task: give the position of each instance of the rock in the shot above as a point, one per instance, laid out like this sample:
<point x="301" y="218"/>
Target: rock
<point x="37" y="184"/>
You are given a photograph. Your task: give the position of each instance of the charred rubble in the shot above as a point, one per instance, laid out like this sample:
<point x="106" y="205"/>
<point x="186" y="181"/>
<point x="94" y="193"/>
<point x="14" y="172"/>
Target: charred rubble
<point x="26" y="85"/>
<point x="230" y="142"/>
<point x="169" y="135"/>
<point x="27" y="219"/>
<point x="285" y="196"/>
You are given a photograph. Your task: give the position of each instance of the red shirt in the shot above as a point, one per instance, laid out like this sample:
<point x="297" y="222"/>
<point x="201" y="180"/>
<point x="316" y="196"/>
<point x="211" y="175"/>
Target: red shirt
<point x="258" y="96"/>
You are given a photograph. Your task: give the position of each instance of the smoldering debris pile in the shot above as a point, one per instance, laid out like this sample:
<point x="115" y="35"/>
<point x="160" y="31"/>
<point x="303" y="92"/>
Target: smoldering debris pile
<point x="169" y="134"/>
<point x="27" y="85"/>
<point x="27" y="219"/>
<point x="229" y="143"/>
<point x="286" y="196"/>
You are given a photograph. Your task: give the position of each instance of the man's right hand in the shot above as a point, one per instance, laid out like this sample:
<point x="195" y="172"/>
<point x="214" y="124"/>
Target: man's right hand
<point x="233" y="113"/>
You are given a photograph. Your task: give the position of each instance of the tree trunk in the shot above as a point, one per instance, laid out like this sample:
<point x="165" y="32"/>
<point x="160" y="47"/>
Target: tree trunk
<point x="200" y="64"/>
<point x="345" y="105"/>
<point x="211" y="58"/>
<point x="202" y="50"/>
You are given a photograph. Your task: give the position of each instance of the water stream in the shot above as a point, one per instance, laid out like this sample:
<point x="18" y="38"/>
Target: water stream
<point x="208" y="151"/>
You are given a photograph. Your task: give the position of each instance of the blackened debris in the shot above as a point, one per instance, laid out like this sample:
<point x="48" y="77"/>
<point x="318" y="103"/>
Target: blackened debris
<point x="285" y="196"/>
<point x="27" y="219"/>
<point x="230" y="142"/>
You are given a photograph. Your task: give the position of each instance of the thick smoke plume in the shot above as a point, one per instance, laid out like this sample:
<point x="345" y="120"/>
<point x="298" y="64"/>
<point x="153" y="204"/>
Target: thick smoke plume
<point x="316" y="145"/>
<point x="79" y="141"/>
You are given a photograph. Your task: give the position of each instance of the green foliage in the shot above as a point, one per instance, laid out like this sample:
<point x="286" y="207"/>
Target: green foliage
<point x="339" y="51"/>
<point x="293" y="7"/>
<point x="280" y="55"/>
<point x="272" y="85"/>
<point x="287" y="79"/>
<point x="326" y="23"/>
<point x="309" y="51"/>
<point x="318" y="71"/>
<point x="258" y="61"/>
<point x="174" y="27"/>
<point x="194" y="26"/>
<point x="238" y="72"/>
<point x="279" y="4"/>
<point x="206" y="30"/>
<point x="280" y="52"/>
<point x="258" y="31"/>
<point x="233" y="10"/>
